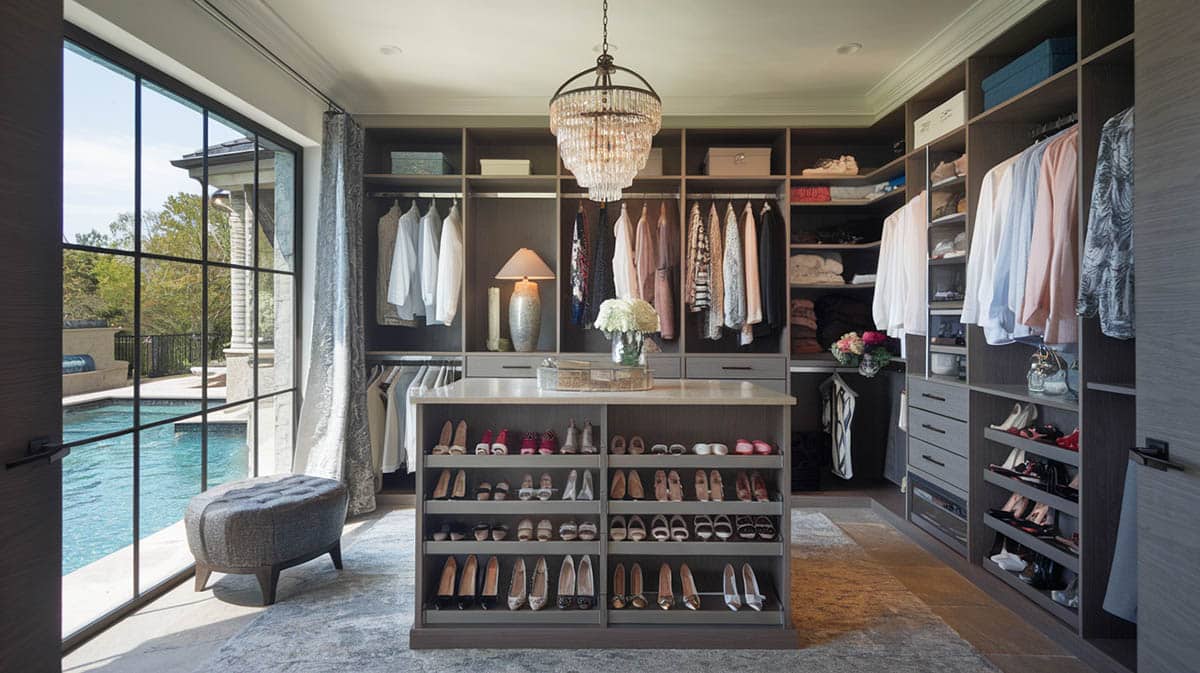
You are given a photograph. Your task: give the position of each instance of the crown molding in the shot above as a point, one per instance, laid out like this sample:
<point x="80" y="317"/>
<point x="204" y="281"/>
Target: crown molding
<point x="981" y="23"/>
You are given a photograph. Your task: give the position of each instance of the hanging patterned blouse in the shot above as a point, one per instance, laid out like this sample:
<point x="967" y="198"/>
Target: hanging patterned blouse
<point x="1106" y="274"/>
<point x="580" y="268"/>
<point x="696" y="294"/>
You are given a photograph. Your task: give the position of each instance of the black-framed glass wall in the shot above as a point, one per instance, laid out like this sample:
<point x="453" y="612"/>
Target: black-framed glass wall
<point x="179" y="320"/>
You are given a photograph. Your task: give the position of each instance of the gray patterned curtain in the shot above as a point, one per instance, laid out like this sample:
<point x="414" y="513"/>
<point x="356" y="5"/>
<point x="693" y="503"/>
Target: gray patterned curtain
<point x="332" y="440"/>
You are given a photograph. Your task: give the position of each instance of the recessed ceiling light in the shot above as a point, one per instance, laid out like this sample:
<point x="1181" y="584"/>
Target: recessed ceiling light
<point x="390" y="50"/>
<point x="599" y="47"/>
<point x="849" y="48"/>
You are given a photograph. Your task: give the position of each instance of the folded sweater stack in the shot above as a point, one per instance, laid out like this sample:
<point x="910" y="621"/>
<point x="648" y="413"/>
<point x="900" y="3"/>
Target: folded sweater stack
<point x="804" y="328"/>
<point x="816" y="269"/>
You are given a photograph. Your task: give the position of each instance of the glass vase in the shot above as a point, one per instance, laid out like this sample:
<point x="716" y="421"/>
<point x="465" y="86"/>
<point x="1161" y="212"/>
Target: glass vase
<point x="627" y="349"/>
<point x="869" y="366"/>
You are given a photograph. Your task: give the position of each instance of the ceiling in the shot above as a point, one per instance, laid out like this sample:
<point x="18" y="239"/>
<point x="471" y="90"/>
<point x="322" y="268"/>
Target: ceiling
<point x="704" y="57"/>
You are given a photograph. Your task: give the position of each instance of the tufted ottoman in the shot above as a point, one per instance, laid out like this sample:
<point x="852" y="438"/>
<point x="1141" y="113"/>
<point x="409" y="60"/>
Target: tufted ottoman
<point x="261" y="526"/>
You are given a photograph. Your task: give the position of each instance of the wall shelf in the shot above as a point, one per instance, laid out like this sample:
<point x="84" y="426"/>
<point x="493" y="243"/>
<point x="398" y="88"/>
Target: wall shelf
<point x="1067" y="560"/>
<point x="1020" y="393"/>
<point x="1042" y="449"/>
<point x="1042" y="598"/>
<point x="1032" y="492"/>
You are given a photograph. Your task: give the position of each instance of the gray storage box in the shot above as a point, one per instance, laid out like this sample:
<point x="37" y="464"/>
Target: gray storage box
<point x="420" y="163"/>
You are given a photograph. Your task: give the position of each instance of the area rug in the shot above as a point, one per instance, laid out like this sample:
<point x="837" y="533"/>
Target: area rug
<point x="851" y="615"/>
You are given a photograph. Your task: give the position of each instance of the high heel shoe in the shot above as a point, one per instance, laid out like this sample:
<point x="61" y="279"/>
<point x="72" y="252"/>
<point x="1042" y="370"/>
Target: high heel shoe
<point x="637" y="529"/>
<point x="716" y="487"/>
<point x="489" y="594"/>
<point x="759" y="487"/>
<point x="637" y="597"/>
<point x="1011" y="420"/>
<point x="617" y="446"/>
<point x="443" y="446"/>
<point x="659" y="528"/>
<point x="548" y="444"/>
<point x="525" y="492"/>
<point x="518" y="590"/>
<point x="545" y="487"/>
<point x="545" y="531"/>
<point x="445" y="591"/>
<point x="467" y="586"/>
<point x="459" y="492"/>
<point x="729" y="587"/>
<point x="722" y="527"/>
<point x="743" y="487"/>
<point x="571" y="444"/>
<point x="636" y="491"/>
<point x="500" y="445"/>
<point x="568" y="531"/>
<point x="442" y="490"/>
<point x="566" y="584"/>
<point x="588" y="446"/>
<point x="618" y="599"/>
<point x="754" y="597"/>
<point x="617" y="491"/>
<point x="525" y="530"/>
<point x="585" y="585"/>
<point x="637" y="445"/>
<point x="674" y="487"/>
<point x="540" y="586"/>
<point x="691" y="597"/>
<point x="660" y="485"/>
<point x="586" y="492"/>
<point x="666" y="597"/>
<point x="484" y="447"/>
<point x="679" y="529"/>
<point x="701" y="486"/>
<point x="616" y="529"/>
<point x="569" y="489"/>
<point x="704" y="527"/>
<point x="459" y="446"/>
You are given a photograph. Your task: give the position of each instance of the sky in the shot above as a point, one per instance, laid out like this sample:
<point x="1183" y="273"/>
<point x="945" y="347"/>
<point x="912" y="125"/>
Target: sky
<point x="98" y="144"/>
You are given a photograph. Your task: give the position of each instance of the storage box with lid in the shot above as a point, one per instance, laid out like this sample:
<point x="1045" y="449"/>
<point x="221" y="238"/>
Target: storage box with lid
<point x="738" y="161"/>
<point x="504" y="166"/>
<point x="940" y="120"/>
<point x="420" y="163"/>
<point x="1027" y="70"/>
<point x="654" y="164"/>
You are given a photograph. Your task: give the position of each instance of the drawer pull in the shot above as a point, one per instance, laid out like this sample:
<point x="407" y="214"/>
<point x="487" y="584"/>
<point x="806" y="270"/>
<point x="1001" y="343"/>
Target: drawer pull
<point x="516" y="367"/>
<point x="737" y="368"/>
<point x="932" y="428"/>
<point x="935" y="462"/>
<point x="934" y="397"/>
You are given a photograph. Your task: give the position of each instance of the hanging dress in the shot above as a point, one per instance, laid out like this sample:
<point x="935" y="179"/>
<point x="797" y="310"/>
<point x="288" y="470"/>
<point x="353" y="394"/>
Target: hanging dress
<point x="580" y="261"/>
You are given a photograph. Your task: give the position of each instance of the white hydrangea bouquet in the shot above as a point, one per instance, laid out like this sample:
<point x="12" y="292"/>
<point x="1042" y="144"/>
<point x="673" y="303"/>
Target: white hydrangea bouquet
<point x="626" y="322"/>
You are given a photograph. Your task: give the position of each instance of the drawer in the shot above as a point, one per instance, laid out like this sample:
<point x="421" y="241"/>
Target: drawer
<point x="504" y="366"/>
<point x="940" y="431"/>
<point x="754" y="367"/>
<point x="939" y="398"/>
<point x="938" y="462"/>
<point x="662" y="366"/>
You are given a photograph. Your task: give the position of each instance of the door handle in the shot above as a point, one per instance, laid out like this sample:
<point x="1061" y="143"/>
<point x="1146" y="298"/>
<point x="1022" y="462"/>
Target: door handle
<point x="1156" y="454"/>
<point x="41" y="448"/>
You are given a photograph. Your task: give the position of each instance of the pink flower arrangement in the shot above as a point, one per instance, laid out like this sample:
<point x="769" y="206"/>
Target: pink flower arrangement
<point x="867" y="352"/>
<point x="874" y="339"/>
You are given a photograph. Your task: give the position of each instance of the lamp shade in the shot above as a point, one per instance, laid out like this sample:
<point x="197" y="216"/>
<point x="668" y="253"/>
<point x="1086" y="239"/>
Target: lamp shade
<point x="525" y="263"/>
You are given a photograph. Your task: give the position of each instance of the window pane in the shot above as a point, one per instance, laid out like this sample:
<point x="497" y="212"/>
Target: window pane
<point x="230" y="192"/>
<point x="98" y="151"/>
<point x="169" y="459"/>
<point x="171" y="174"/>
<point x="97" y="534"/>
<point x="275" y="437"/>
<point x="231" y="335"/>
<point x="276" y="206"/>
<point x="276" y="332"/>
<point x="171" y="338"/>
<point x="97" y="343"/>
<point x="230" y="442"/>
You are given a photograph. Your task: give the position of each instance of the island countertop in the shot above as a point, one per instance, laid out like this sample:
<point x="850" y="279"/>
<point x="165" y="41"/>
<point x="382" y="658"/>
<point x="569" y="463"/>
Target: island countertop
<point x="680" y="392"/>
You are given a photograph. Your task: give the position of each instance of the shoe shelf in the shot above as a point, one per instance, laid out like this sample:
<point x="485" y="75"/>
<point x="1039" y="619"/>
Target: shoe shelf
<point x="502" y="615"/>
<point x="773" y="462"/>
<point x="1066" y="559"/>
<point x="1019" y="392"/>
<point x="513" y="461"/>
<point x="688" y="412"/>
<point x="697" y="548"/>
<point x="1042" y="449"/>
<point x="694" y="507"/>
<point x="1032" y="492"/>
<point x="494" y="508"/>
<point x="1042" y="598"/>
<point x="513" y="547"/>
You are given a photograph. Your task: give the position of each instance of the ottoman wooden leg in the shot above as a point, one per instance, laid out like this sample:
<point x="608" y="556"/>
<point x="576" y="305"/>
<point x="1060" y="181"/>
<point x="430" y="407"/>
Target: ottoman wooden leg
<point x="267" y="579"/>
<point x="202" y="574"/>
<point x="335" y="555"/>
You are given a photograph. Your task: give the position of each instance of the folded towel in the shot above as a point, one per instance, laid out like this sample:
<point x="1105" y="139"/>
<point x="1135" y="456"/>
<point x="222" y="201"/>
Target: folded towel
<point x="862" y="279"/>
<point x="830" y="262"/>
<point x="810" y="194"/>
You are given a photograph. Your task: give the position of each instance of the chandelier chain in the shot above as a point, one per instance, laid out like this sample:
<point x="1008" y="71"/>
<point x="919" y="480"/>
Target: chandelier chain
<point x="604" y="48"/>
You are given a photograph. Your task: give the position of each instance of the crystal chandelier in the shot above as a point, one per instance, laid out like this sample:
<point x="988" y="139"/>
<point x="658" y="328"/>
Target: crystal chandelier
<point x="604" y="130"/>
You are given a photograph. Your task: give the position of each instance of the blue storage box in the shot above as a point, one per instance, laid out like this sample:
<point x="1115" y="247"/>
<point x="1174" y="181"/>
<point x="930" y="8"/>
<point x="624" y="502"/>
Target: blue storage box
<point x="1028" y="69"/>
<point x="420" y="163"/>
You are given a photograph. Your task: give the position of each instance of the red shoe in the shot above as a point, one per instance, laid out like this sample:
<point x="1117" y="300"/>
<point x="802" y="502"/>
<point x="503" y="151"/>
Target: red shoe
<point x="484" y="447"/>
<point x="743" y="447"/>
<point x="528" y="444"/>
<point x="1069" y="442"/>
<point x="500" y="446"/>
<point x="549" y="443"/>
<point x="762" y="448"/>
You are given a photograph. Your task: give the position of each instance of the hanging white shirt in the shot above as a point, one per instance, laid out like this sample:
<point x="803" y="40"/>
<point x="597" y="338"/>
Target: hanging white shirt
<point x="994" y="333"/>
<point x="450" y="268"/>
<point x="887" y="305"/>
<point x="404" y="290"/>
<point x="985" y="238"/>
<point x="915" y="253"/>
<point x="431" y="235"/>
<point x="624" y="270"/>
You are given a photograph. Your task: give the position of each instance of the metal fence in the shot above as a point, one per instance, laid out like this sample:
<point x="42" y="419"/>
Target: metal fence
<point x="169" y="354"/>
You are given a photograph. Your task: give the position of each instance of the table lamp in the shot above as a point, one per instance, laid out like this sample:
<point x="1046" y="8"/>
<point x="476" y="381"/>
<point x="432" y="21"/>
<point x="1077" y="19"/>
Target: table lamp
<point x="525" y="307"/>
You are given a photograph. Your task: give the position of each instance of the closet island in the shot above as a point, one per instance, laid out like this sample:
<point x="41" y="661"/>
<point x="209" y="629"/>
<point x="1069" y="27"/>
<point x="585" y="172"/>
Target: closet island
<point x="459" y="517"/>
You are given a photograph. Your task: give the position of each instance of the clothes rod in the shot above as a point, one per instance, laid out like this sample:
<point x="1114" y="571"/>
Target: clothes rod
<point x="738" y="196"/>
<point x="627" y="195"/>
<point x="459" y="195"/>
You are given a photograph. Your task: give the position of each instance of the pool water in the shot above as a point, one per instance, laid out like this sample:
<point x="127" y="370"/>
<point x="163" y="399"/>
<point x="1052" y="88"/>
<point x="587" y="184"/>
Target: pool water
<point x="98" y="477"/>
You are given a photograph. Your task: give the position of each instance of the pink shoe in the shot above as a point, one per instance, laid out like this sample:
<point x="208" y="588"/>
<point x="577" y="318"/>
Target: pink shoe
<point x="743" y="447"/>
<point x="762" y="448"/>
<point x="549" y="443"/>
<point x="528" y="444"/>
<point x="500" y="446"/>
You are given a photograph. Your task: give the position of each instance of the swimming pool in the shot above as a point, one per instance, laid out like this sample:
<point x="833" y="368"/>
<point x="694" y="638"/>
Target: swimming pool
<point x="97" y="477"/>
